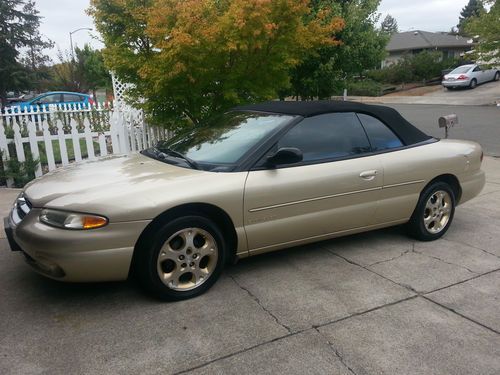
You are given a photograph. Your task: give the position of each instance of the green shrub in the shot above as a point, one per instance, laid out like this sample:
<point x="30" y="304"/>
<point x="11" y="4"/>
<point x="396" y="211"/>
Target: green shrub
<point x="365" y="87"/>
<point x="424" y="66"/>
<point x="20" y="172"/>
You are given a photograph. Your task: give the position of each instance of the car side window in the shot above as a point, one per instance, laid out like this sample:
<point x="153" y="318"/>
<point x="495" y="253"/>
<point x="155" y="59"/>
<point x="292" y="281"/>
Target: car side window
<point x="380" y="136"/>
<point x="328" y="136"/>
<point x="477" y="69"/>
<point x="72" y="98"/>
<point x="50" y="99"/>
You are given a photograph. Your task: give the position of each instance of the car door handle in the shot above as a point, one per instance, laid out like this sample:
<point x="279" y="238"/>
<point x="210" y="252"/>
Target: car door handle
<point x="368" y="175"/>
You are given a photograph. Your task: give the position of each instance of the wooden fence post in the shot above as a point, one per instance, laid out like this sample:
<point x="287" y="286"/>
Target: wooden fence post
<point x="35" y="153"/>
<point x="49" y="150"/>
<point x="75" y="138"/>
<point x="88" y="139"/>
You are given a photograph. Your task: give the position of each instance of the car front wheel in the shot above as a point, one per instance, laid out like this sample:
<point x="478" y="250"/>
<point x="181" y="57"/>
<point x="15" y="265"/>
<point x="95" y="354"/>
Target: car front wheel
<point x="434" y="212"/>
<point x="183" y="259"/>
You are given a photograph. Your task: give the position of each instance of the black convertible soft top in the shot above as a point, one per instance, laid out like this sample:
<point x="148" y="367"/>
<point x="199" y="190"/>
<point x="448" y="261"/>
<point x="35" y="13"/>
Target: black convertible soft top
<point x="408" y="133"/>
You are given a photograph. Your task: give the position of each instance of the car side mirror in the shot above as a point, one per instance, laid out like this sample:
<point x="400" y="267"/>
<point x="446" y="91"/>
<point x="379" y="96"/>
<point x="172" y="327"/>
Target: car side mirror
<point x="285" y="155"/>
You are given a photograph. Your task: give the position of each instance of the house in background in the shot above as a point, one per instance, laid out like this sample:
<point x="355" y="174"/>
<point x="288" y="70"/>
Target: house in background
<point x="413" y="42"/>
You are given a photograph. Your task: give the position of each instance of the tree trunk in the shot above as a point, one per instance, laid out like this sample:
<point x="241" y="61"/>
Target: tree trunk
<point x="3" y="99"/>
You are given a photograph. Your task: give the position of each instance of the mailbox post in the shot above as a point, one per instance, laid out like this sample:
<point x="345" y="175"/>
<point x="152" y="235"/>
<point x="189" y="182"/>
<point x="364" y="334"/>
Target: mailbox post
<point x="448" y="122"/>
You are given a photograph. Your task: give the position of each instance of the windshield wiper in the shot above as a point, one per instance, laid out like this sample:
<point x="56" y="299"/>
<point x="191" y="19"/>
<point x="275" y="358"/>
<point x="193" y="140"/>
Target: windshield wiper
<point x="168" y="151"/>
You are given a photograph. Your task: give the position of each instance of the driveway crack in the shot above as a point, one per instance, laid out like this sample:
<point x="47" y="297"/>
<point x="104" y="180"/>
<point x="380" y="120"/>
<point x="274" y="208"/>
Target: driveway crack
<point x="444" y="261"/>
<point x="393" y="258"/>
<point x="337" y="353"/>
<point x="256" y="299"/>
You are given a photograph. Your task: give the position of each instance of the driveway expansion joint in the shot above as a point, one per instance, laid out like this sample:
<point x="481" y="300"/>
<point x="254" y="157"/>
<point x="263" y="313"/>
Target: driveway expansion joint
<point x="185" y="371"/>
<point x="417" y="293"/>
<point x="461" y="315"/>
<point x="473" y="246"/>
<point x="408" y="287"/>
<point x="256" y="299"/>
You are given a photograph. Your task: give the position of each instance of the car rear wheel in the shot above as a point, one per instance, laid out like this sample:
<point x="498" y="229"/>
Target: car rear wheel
<point x="497" y="76"/>
<point x="473" y="84"/>
<point x="183" y="259"/>
<point x="434" y="212"/>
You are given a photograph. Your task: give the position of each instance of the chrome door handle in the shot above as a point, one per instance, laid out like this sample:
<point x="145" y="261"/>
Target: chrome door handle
<point x="368" y="175"/>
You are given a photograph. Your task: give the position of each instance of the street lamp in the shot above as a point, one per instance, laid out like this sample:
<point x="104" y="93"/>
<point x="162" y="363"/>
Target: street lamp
<point x="71" y="39"/>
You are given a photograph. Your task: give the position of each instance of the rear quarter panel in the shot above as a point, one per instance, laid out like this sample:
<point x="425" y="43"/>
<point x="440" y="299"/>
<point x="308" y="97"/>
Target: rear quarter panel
<point x="408" y="171"/>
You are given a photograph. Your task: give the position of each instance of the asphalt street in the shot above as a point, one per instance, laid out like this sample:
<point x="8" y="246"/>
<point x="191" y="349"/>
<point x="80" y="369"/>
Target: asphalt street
<point x="476" y="123"/>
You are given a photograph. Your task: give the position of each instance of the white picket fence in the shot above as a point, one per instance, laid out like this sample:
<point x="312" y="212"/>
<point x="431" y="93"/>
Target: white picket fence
<point x="63" y="134"/>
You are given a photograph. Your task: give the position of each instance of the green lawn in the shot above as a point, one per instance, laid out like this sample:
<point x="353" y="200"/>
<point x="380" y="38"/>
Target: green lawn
<point x="69" y="148"/>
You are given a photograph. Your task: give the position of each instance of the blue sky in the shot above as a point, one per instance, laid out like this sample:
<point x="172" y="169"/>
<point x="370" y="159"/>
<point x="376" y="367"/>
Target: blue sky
<point x="62" y="16"/>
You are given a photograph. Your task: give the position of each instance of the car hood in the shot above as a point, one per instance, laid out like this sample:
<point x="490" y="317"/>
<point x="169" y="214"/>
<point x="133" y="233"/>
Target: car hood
<point x="104" y="185"/>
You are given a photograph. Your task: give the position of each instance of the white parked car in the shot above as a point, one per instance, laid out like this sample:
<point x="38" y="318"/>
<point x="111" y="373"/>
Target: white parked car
<point x="469" y="76"/>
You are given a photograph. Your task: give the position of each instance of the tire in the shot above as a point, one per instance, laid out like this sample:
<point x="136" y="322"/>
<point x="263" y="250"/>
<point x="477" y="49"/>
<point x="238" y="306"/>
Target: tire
<point x="434" y="212"/>
<point x="497" y="76"/>
<point x="473" y="84"/>
<point x="183" y="259"/>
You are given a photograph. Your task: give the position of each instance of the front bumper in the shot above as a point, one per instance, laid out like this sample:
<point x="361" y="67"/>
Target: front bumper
<point x="9" y="232"/>
<point x="103" y="254"/>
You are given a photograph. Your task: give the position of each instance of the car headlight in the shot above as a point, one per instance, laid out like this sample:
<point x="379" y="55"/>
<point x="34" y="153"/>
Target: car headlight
<point x="72" y="220"/>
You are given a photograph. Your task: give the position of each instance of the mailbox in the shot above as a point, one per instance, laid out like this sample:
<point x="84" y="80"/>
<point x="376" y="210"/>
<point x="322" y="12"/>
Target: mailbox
<point x="447" y="122"/>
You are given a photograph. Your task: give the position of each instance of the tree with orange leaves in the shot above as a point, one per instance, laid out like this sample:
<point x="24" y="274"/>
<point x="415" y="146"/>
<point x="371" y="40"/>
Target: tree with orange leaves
<point x="190" y="59"/>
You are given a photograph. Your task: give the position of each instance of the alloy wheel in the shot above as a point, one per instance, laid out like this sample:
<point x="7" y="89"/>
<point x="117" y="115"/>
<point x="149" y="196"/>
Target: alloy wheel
<point x="187" y="259"/>
<point x="437" y="211"/>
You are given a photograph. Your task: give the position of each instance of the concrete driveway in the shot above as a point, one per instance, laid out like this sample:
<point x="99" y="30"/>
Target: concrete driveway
<point x="375" y="303"/>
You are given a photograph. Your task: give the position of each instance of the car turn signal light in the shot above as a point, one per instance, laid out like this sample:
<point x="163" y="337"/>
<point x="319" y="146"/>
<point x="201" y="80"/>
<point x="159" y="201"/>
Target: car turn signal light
<point x="91" y="222"/>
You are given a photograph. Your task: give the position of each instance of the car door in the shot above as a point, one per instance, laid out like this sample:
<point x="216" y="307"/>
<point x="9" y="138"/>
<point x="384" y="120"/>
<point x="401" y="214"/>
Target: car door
<point x="402" y="167"/>
<point x="475" y="73"/>
<point x="73" y="100"/>
<point x="482" y="75"/>
<point x="333" y="189"/>
<point x="490" y="74"/>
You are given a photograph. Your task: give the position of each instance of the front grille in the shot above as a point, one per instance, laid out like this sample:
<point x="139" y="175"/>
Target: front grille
<point x="22" y="207"/>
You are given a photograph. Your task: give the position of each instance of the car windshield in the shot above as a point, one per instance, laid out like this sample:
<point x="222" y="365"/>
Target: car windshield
<point x="221" y="143"/>
<point x="460" y="70"/>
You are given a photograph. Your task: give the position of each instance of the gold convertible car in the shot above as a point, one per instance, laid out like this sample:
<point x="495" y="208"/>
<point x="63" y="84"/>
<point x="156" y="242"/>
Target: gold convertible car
<point x="259" y="178"/>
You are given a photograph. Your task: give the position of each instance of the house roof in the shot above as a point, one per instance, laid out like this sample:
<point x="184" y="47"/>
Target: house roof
<point x="418" y="39"/>
<point x="408" y="133"/>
